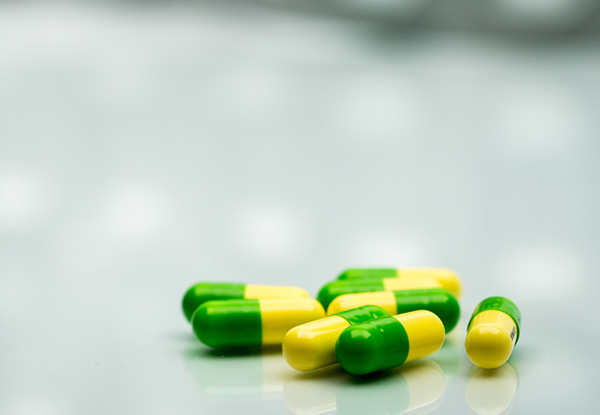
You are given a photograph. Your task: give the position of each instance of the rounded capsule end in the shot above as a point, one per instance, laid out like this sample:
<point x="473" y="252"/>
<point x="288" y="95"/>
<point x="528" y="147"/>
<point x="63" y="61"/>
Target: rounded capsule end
<point x="192" y="300"/>
<point x="207" y="291"/>
<point x="312" y="345"/>
<point x="449" y="280"/>
<point x="326" y="295"/>
<point x="201" y="324"/>
<point x="488" y="346"/>
<point x="359" y="350"/>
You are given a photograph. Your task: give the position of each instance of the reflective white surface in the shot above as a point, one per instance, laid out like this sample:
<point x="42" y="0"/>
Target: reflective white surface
<point x="145" y="148"/>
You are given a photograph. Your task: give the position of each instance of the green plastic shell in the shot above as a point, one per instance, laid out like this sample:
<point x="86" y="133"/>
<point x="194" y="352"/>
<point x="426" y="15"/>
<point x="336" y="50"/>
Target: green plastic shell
<point x="229" y="324"/>
<point x="361" y="314"/>
<point x="358" y="273"/>
<point x="437" y="300"/>
<point x="499" y="304"/>
<point x="336" y="288"/>
<point x="208" y="291"/>
<point x="375" y="345"/>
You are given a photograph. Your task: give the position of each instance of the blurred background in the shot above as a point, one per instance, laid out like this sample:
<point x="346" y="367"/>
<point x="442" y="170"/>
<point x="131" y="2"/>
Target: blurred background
<point x="146" y="146"/>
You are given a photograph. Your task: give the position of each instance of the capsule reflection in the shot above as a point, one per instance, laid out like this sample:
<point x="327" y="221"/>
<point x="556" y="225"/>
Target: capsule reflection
<point x="450" y="356"/>
<point x="415" y="387"/>
<point x="492" y="391"/>
<point x="227" y="376"/>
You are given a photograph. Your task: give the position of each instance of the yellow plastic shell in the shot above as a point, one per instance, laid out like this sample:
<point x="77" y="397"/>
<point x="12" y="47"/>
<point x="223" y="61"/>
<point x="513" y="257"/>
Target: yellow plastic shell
<point x="425" y="332"/>
<point x="312" y="345"/>
<point x="274" y="291"/>
<point x="409" y="283"/>
<point x="385" y="300"/>
<point x="279" y="316"/>
<point x="447" y="278"/>
<point x="489" y="342"/>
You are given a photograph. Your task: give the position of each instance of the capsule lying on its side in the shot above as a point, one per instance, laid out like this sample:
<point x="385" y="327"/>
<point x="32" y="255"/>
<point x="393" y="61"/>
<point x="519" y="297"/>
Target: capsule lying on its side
<point x="312" y="345"/>
<point x="334" y="289"/>
<point x="251" y="323"/>
<point x="387" y="342"/>
<point x="207" y="291"/>
<point x="492" y="332"/>
<point x="447" y="278"/>
<point x="439" y="301"/>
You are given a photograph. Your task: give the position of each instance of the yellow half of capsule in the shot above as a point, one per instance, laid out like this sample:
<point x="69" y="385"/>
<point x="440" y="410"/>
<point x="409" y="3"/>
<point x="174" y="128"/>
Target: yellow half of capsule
<point x="490" y="339"/>
<point x="312" y="345"/>
<point x="409" y="283"/>
<point x="273" y="291"/>
<point x="448" y="279"/>
<point x="279" y="316"/>
<point x="385" y="300"/>
<point x="425" y="333"/>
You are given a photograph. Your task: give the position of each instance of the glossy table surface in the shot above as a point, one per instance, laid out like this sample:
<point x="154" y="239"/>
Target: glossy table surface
<point x="145" y="147"/>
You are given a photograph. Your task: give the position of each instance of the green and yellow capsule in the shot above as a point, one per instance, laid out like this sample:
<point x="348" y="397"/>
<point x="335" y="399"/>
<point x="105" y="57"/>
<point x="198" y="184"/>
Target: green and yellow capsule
<point x="387" y="342"/>
<point x="492" y="332"/>
<point x="207" y="291"/>
<point x="336" y="288"/>
<point x="251" y="323"/>
<point x="312" y="345"/>
<point x="437" y="300"/>
<point x="447" y="278"/>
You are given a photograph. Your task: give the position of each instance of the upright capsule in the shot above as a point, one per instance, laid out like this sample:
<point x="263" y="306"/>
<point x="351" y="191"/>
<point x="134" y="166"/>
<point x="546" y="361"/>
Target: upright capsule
<point x="439" y="301"/>
<point x="492" y="332"/>
<point x="312" y="345"/>
<point x="447" y="278"/>
<point x="334" y="289"/>
<point x="387" y="342"/>
<point x="207" y="291"/>
<point x="251" y="323"/>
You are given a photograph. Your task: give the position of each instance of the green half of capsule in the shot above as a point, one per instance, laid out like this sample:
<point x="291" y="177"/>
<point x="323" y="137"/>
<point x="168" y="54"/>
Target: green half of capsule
<point x="437" y="300"/>
<point x="362" y="314"/>
<point x="390" y="341"/>
<point x="209" y="291"/>
<point x="499" y="304"/>
<point x="334" y="289"/>
<point x="358" y="273"/>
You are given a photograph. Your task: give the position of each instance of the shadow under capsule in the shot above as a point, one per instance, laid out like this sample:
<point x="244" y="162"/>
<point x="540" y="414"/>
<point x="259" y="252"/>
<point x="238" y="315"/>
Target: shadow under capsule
<point x="492" y="391"/>
<point x="237" y="375"/>
<point x="416" y="387"/>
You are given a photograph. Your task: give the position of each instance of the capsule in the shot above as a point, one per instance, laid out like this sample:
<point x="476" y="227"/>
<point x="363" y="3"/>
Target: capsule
<point x="447" y="278"/>
<point x="387" y="342"/>
<point x="208" y="291"/>
<point x="312" y="345"/>
<point x="439" y="301"/>
<point x="251" y="323"/>
<point x="336" y="288"/>
<point x="492" y="332"/>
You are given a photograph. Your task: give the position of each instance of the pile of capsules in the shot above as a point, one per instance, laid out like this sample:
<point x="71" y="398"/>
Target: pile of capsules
<point x="376" y="319"/>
